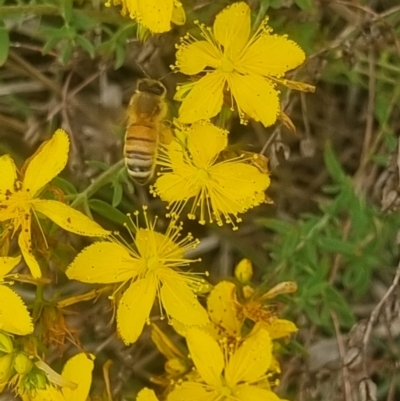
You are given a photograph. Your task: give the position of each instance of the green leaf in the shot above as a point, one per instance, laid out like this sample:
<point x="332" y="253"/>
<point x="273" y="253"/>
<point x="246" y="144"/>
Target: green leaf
<point x="332" y="164"/>
<point x="335" y="245"/>
<point x="86" y="45"/>
<point x="66" y="10"/>
<point x="4" y="45"/>
<point x="117" y="194"/>
<point x="305" y="5"/>
<point x="51" y="44"/>
<point x="119" y="56"/>
<point x="278" y="226"/>
<point x="66" y="52"/>
<point x="65" y="186"/>
<point x="107" y="211"/>
<point x="82" y="21"/>
<point x="98" y="164"/>
<point x="338" y="303"/>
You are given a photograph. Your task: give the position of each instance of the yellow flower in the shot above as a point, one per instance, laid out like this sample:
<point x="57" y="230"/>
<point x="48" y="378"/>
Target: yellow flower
<point x="155" y="15"/>
<point x="146" y="395"/>
<point x="228" y="374"/>
<point x="249" y="66"/>
<point x="73" y="384"/>
<point x="19" y="198"/>
<point x="220" y="189"/>
<point x="14" y="316"/>
<point x="253" y="307"/>
<point x="152" y="268"/>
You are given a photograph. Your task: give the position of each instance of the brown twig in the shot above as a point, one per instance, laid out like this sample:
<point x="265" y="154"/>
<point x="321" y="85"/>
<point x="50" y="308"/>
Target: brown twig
<point x="374" y="317"/>
<point x="342" y="351"/>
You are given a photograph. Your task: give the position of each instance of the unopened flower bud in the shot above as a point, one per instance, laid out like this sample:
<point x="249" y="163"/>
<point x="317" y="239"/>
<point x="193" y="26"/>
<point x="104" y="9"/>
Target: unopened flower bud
<point x="6" y="344"/>
<point x="248" y="291"/>
<point x="22" y="363"/>
<point x="244" y="271"/>
<point x="6" y="362"/>
<point x="176" y="366"/>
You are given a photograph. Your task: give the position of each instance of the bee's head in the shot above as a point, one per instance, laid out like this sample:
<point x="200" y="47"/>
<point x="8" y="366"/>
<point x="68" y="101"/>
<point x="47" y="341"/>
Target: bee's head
<point x="151" y="86"/>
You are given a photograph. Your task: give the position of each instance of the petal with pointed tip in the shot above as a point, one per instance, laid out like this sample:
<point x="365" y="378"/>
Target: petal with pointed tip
<point x="48" y="161"/>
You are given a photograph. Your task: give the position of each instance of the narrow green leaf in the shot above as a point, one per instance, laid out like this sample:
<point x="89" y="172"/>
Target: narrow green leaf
<point x="332" y="164"/>
<point x="65" y="186"/>
<point x="107" y="211"/>
<point x="119" y="56"/>
<point x="117" y="194"/>
<point x="98" y="164"/>
<point x="86" y="45"/>
<point x="338" y="246"/>
<point x="66" y="10"/>
<point x="4" y="45"/>
<point x="51" y="44"/>
<point x="305" y="5"/>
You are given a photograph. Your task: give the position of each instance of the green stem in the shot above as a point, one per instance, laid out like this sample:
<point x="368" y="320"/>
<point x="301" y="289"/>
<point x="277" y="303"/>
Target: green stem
<point x="260" y="16"/>
<point x="38" y="303"/>
<point x="101" y="180"/>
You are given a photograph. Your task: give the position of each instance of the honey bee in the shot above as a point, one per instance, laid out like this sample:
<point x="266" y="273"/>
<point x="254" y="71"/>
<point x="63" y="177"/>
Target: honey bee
<point x="146" y="112"/>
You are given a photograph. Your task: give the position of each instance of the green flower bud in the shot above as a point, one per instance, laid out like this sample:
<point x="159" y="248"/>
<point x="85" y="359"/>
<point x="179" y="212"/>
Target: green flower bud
<point x="22" y="363"/>
<point x="6" y="344"/>
<point x="6" y="367"/>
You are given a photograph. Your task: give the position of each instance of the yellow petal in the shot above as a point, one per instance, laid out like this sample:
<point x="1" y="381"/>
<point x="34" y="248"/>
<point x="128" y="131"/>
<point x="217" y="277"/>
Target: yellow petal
<point x="252" y="393"/>
<point x="78" y="370"/>
<point x="240" y="184"/>
<point x="255" y="97"/>
<point x="179" y="300"/>
<point x="278" y="328"/>
<point x="205" y="141"/>
<point x="68" y="218"/>
<point x="7" y="264"/>
<point x="174" y="187"/>
<point x="204" y="100"/>
<point x="8" y="176"/>
<point x="134" y="308"/>
<point x="164" y="344"/>
<point x="270" y="55"/>
<point x="146" y="395"/>
<point x="206" y="355"/>
<point x="178" y="14"/>
<point x="232" y="28"/>
<point x="48" y="161"/>
<point x="25" y="245"/>
<point x="102" y="262"/>
<point x="191" y="391"/>
<point x="155" y="14"/>
<point x="251" y="360"/>
<point x="221" y="308"/>
<point x="14" y="316"/>
<point x="195" y="57"/>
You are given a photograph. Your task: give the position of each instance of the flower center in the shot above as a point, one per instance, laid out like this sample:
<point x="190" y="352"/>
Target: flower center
<point x="152" y="263"/>
<point x="14" y="203"/>
<point x="226" y="391"/>
<point x="202" y="175"/>
<point x="227" y="65"/>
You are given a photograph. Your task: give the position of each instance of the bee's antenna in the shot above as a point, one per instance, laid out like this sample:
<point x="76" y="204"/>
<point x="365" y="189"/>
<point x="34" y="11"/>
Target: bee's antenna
<point x="143" y="70"/>
<point x="166" y="75"/>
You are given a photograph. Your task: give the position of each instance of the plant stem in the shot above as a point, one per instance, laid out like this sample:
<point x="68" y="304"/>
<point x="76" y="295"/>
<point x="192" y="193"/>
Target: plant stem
<point x="101" y="180"/>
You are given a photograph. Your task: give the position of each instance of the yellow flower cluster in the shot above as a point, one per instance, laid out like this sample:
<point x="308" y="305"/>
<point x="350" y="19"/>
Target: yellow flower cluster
<point x="230" y="342"/>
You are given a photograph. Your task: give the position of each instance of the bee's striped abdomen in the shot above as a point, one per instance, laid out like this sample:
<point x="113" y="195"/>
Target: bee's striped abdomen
<point x="140" y="152"/>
